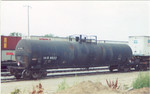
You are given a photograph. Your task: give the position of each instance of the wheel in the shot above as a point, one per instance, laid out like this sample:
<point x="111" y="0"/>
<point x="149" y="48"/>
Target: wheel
<point x="26" y="74"/>
<point x="142" y="67"/>
<point x="44" y="73"/>
<point x="110" y="69"/>
<point x="124" y="68"/>
<point x="36" y="75"/>
<point x="18" y="76"/>
<point x="137" y="68"/>
<point x="127" y="69"/>
<point x="120" y="68"/>
<point x="145" y="68"/>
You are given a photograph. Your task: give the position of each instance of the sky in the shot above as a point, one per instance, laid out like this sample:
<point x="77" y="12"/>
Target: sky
<point x="108" y="20"/>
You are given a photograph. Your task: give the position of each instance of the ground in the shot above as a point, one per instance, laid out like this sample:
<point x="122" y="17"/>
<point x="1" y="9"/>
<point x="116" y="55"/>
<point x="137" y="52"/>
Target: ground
<point x="50" y="85"/>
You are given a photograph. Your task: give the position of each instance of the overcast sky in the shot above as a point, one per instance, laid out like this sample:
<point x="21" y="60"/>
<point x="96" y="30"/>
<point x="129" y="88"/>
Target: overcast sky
<point x="109" y="20"/>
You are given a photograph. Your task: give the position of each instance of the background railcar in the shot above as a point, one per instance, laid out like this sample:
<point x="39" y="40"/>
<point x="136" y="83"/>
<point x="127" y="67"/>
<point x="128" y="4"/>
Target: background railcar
<point x="8" y="45"/>
<point x="140" y="46"/>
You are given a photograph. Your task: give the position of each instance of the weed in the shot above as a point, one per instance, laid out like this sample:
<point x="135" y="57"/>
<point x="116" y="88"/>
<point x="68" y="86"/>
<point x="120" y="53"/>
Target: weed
<point x="17" y="91"/>
<point x="76" y="80"/>
<point x="125" y="87"/>
<point x="62" y="86"/>
<point x="112" y="84"/>
<point x="38" y="89"/>
<point x="143" y="80"/>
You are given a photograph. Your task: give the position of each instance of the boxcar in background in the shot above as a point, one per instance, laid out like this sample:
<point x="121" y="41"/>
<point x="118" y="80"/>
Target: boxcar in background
<point x="8" y="45"/>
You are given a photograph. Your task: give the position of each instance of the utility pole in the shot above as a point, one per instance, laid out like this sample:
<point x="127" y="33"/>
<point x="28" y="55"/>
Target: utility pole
<point x="28" y="7"/>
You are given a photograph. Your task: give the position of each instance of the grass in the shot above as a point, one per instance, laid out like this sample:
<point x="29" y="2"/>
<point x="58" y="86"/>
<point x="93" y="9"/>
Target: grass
<point x="36" y="90"/>
<point x="16" y="91"/>
<point x="76" y="80"/>
<point x="62" y="86"/>
<point x="126" y="87"/>
<point x="40" y="90"/>
<point x="143" y="80"/>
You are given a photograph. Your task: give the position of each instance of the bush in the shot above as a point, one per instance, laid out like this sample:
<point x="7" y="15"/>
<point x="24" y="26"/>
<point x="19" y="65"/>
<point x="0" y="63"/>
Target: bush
<point x="62" y="86"/>
<point x="17" y="91"/>
<point x="143" y="80"/>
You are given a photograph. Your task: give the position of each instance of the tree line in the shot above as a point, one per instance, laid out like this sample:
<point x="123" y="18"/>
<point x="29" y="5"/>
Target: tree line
<point x="20" y="34"/>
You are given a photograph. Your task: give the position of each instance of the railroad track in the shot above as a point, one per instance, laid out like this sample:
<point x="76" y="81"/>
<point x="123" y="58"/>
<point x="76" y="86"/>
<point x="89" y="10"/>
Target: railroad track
<point x="56" y="73"/>
<point x="7" y="77"/>
<point x="64" y="70"/>
<point x="4" y="70"/>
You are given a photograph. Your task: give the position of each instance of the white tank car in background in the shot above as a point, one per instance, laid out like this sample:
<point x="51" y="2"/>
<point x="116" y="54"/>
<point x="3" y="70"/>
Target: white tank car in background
<point x="140" y="46"/>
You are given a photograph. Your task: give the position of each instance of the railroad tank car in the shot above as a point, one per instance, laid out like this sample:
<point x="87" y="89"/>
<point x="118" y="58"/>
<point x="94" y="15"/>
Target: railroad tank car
<point x="35" y="56"/>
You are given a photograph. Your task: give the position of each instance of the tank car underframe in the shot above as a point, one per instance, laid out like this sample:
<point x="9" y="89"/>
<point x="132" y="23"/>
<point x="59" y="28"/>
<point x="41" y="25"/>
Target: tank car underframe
<point x="140" y="62"/>
<point x="138" y="66"/>
<point x="122" y="68"/>
<point x="19" y="72"/>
